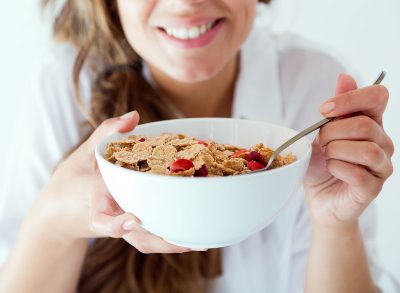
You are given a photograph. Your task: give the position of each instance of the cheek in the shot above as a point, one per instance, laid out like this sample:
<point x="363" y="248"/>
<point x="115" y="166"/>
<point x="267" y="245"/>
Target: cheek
<point x="134" y="15"/>
<point x="244" y="13"/>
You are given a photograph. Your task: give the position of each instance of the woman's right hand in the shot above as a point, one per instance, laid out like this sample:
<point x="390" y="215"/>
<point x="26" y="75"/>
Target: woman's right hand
<point x="76" y="204"/>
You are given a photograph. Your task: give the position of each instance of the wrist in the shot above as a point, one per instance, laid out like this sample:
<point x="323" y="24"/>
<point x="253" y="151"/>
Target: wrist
<point x="346" y="231"/>
<point x="46" y="221"/>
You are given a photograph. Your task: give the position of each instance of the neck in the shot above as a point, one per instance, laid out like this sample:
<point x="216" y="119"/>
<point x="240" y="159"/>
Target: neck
<point x="210" y="98"/>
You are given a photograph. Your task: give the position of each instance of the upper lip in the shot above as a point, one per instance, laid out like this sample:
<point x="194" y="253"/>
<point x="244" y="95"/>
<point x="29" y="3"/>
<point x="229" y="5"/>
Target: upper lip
<point x="187" y="23"/>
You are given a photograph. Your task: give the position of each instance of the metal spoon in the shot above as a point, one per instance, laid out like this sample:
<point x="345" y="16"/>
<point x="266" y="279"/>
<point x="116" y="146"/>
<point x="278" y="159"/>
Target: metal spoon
<point x="306" y="131"/>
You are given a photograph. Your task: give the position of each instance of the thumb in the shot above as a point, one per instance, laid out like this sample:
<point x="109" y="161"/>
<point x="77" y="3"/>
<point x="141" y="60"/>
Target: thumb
<point x="125" y="123"/>
<point x="345" y="84"/>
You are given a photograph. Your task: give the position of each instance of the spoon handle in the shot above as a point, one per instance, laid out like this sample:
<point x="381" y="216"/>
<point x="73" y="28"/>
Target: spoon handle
<point x="309" y="130"/>
<point x="303" y="133"/>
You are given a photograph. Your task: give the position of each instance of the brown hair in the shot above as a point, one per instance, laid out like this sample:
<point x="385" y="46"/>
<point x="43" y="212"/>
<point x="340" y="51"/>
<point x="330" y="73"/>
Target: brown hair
<point x="112" y="265"/>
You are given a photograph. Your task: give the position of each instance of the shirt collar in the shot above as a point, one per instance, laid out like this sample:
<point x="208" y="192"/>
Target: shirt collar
<point x="258" y="93"/>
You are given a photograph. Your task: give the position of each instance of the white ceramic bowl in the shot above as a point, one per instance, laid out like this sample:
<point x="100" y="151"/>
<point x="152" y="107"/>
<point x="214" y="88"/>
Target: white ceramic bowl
<point x="208" y="212"/>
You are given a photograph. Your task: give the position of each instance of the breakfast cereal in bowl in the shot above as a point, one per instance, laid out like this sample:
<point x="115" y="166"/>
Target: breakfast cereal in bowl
<point x="181" y="155"/>
<point x="193" y="181"/>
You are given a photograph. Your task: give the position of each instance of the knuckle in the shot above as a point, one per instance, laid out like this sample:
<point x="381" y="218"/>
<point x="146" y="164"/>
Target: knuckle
<point x="373" y="153"/>
<point x="390" y="169"/>
<point x="322" y="136"/>
<point x="114" y="231"/>
<point x="330" y="149"/>
<point x="390" y="147"/>
<point x="359" y="177"/>
<point x="345" y="100"/>
<point x="364" y="125"/>
<point x="105" y="125"/>
<point x="383" y="92"/>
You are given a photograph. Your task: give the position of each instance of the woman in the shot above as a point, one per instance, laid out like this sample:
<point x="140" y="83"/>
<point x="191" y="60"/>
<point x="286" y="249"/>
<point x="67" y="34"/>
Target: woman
<point x="188" y="58"/>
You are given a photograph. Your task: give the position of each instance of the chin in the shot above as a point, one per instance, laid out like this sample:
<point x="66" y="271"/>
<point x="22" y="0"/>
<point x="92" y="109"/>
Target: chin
<point x="193" y="73"/>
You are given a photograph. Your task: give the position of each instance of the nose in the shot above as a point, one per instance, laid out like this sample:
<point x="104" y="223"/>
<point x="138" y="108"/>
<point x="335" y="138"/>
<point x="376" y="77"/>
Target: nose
<point x="186" y="2"/>
<point x="184" y="7"/>
<point x="192" y="1"/>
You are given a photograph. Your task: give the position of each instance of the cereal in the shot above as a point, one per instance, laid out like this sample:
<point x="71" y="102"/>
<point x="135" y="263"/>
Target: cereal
<point x="235" y="164"/>
<point x="181" y="165"/>
<point x="201" y="172"/>
<point x="181" y="155"/>
<point x="190" y="152"/>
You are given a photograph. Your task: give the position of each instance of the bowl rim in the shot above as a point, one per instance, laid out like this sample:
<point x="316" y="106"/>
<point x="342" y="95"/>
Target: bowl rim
<point x="161" y="177"/>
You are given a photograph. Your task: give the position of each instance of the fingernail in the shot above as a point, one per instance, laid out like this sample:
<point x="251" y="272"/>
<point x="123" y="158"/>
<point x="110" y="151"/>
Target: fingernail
<point x="129" y="224"/>
<point x="327" y="107"/>
<point x="128" y="115"/>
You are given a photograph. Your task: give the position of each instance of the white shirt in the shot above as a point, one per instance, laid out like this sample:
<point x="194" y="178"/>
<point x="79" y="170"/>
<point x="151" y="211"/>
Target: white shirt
<point x="283" y="80"/>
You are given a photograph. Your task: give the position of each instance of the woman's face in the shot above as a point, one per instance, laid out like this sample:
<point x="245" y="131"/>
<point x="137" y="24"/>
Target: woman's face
<point x="188" y="40"/>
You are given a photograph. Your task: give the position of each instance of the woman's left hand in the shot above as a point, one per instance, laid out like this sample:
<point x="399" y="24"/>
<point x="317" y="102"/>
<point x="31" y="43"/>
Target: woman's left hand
<point x="351" y="155"/>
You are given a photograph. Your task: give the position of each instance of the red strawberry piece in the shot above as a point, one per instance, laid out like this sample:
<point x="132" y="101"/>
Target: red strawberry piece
<point x="142" y="139"/>
<point x="254" y="165"/>
<point x="256" y="156"/>
<point x="202" y="142"/>
<point x="202" y="172"/>
<point x="181" y="165"/>
<point x="239" y="153"/>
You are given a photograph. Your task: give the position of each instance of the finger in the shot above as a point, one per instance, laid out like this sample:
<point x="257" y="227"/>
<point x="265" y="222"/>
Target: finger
<point x="370" y="101"/>
<point x="356" y="128"/>
<point x="101" y="201"/>
<point x="124" y="123"/>
<point x="365" y="185"/>
<point x="364" y="153"/>
<point x="104" y="225"/>
<point x="147" y="242"/>
<point x="345" y="84"/>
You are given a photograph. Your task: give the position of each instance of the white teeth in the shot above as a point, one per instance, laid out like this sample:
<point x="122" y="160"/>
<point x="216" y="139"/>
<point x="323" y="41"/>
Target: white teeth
<point x="175" y="32"/>
<point x="184" y="33"/>
<point x="203" y="29"/>
<point x="194" y="33"/>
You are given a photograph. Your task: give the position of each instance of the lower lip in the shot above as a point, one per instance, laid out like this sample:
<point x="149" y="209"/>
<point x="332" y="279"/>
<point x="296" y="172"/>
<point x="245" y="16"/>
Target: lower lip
<point x="199" y="42"/>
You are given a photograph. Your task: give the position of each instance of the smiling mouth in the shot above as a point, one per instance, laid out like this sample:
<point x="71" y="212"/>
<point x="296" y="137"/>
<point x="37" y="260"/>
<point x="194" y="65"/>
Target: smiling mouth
<point x="191" y="32"/>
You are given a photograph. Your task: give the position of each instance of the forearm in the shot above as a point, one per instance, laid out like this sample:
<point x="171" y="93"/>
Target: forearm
<point x="40" y="262"/>
<point x="337" y="262"/>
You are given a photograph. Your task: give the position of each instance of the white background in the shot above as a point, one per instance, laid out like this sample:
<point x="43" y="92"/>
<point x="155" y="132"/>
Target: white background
<point x="365" y="32"/>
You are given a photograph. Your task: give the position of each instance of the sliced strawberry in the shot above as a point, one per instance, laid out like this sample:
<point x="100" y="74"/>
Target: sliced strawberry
<point x="238" y="153"/>
<point x="202" y="172"/>
<point x="254" y="165"/>
<point x="202" y="142"/>
<point x="181" y="165"/>
<point x="255" y="156"/>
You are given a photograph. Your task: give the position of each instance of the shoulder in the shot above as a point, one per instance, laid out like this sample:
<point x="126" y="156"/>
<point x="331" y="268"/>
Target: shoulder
<point x="54" y="74"/>
<point x="299" y="56"/>
<point x="306" y="59"/>
<point x="307" y="73"/>
<point x="59" y="56"/>
<point x="56" y="66"/>
<point x="300" y="49"/>
<point x="304" y="72"/>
